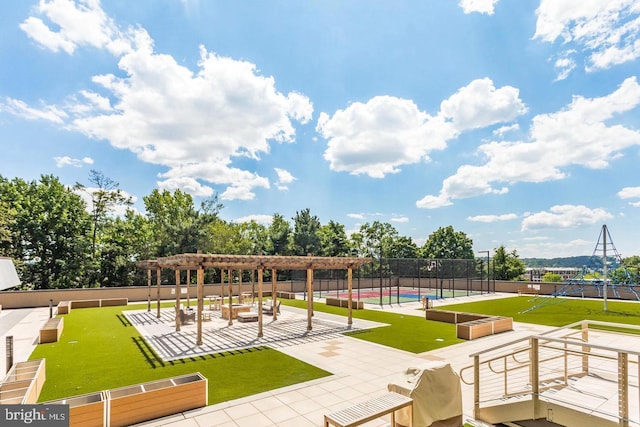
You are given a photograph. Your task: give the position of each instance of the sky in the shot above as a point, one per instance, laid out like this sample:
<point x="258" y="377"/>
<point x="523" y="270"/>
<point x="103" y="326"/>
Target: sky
<point x="516" y="122"/>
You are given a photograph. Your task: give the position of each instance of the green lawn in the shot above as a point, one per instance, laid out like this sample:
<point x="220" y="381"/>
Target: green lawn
<point x="409" y="333"/>
<point x="100" y="350"/>
<point x="557" y="312"/>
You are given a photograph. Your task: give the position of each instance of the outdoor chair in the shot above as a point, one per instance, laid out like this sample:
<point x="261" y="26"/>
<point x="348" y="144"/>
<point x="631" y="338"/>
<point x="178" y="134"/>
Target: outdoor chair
<point x="186" y="316"/>
<point x="267" y="307"/>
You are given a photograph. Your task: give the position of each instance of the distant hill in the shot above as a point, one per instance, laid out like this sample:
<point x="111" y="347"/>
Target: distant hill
<point x="574" y="261"/>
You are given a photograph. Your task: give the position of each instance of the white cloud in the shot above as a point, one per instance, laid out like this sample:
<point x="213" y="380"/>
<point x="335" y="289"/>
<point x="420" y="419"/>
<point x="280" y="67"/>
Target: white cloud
<point x="547" y="248"/>
<point x="564" y="67"/>
<point x="356" y="216"/>
<point x="629" y="193"/>
<point x="505" y="129"/>
<point x="258" y="218"/>
<point x="284" y="178"/>
<point x="118" y="210"/>
<point x="376" y="138"/>
<point x="576" y="136"/>
<point x="21" y="109"/>
<point x="480" y="104"/>
<point x="400" y="219"/>
<point x="194" y="122"/>
<point x="70" y="161"/>
<point x="75" y="23"/>
<point x="605" y="30"/>
<point x="565" y="216"/>
<point x="480" y="6"/>
<point x="186" y="184"/>
<point x="492" y="218"/>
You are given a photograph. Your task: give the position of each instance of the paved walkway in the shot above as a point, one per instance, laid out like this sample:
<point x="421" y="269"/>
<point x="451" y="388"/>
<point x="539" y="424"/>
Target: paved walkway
<point x="361" y="370"/>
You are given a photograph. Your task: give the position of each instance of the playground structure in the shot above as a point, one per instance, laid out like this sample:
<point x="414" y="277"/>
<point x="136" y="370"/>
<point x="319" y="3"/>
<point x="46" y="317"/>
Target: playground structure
<point x="603" y="277"/>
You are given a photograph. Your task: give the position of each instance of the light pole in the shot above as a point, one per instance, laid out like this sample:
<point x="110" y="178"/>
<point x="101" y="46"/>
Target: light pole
<point x="487" y="252"/>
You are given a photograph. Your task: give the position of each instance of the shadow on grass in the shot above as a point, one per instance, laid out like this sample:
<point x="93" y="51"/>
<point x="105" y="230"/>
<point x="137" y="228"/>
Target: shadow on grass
<point x="148" y="353"/>
<point x="156" y="362"/>
<point x="123" y="319"/>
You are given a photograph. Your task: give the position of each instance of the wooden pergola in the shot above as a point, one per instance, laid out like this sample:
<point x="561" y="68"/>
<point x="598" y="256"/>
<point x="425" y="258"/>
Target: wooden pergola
<point x="199" y="262"/>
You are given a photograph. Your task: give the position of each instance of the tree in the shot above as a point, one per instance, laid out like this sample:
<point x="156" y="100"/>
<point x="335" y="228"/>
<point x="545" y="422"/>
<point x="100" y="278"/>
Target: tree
<point x="7" y="214"/>
<point x="177" y="225"/>
<point x="279" y="233"/>
<point x="551" y="277"/>
<point x="507" y="265"/>
<point x="402" y="247"/>
<point x="333" y="240"/>
<point x="49" y="232"/>
<point x="446" y="243"/>
<point x="105" y="196"/>
<point x="305" y="233"/>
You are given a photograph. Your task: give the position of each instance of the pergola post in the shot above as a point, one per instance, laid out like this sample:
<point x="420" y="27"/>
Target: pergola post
<point x="148" y="289"/>
<point x="350" y="292"/>
<point x="260" y="276"/>
<point x="309" y="297"/>
<point x="188" y="283"/>
<point x="274" y="292"/>
<point x="177" y="299"/>
<point x="158" y="280"/>
<point x="200" y="295"/>
<point x="230" y="278"/>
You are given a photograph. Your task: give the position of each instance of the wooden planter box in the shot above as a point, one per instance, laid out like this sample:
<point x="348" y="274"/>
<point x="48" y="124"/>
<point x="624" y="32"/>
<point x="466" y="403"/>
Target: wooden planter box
<point x="484" y="327"/>
<point x="51" y="330"/>
<point x="23" y="383"/>
<point x="88" y="410"/>
<point x="142" y="402"/>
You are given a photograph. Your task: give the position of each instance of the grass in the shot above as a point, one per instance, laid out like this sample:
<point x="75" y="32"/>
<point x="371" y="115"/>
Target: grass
<point x="409" y="333"/>
<point x="557" y="312"/>
<point x="100" y="350"/>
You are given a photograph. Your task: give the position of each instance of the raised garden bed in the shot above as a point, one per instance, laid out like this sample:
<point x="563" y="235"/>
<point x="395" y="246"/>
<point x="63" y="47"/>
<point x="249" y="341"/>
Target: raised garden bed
<point x="471" y="325"/>
<point x="88" y="410"/>
<point x="142" y="402"/>
<point x="23" y="383"/>
<point x="483" y="327"/>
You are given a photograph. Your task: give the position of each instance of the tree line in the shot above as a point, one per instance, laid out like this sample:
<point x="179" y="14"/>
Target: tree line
<point x="57" y="240"/>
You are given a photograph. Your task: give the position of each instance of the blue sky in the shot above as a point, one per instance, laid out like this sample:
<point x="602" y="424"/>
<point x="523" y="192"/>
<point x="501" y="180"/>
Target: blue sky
<point x="516" y="122"/>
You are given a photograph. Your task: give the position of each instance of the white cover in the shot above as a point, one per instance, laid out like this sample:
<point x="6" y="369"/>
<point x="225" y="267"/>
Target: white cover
<point x="436" y="392"/>
<point x="8" y="275"/>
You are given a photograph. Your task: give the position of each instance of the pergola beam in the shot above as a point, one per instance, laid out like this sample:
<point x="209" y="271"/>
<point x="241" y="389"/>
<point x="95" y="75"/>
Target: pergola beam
<point x="228" y="263"/>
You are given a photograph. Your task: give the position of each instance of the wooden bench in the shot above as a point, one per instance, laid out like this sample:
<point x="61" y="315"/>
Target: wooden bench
<point x="527" y="290"/>
<point x="363" y="412"/>
<point x="344" y="302"/>
<point x="51" y="330"/>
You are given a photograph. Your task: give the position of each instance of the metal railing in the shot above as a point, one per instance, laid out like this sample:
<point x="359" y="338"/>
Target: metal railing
<point x="573" y="367"/>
